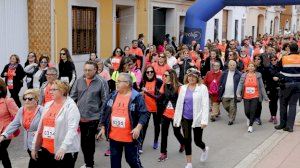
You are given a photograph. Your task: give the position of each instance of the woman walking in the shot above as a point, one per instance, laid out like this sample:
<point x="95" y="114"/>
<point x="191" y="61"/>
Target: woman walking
<point x="251" y="88"/>
<point x="66" y="67"/>
<point x="57" y="136"/>
<point x="192" y="110"/>
<point x="28" y="117"/>
<point x="169" y="95"/>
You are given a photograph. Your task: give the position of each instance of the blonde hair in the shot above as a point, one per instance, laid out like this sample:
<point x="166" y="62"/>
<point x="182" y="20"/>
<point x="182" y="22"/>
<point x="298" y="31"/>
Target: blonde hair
<point x="33" y="92"/>
<point x="64" y="87"/>
<point x="185" y="81"/>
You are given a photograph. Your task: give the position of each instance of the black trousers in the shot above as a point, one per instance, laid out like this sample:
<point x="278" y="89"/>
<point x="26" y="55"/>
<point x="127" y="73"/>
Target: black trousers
<point x="288" y="103"/>
<point x="258" y="110"/>
<point x="187" y="134"/>
<point x="165" y="131"/>
<point x="156" y="122"/>
<point x="251" y="106"/>
<point x="131" y="154"/>
<point x="273" y="104"/>
<point x="32" y="163"/>
<point x="47" y="160"/>
<point x="4" y="154"/>
<point x="88" y="132"/>
<point x="15" y="95"/>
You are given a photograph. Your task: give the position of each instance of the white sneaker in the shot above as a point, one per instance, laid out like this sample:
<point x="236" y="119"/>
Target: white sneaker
<point x="189" y="165"/>
<point x="250" y="129"/>
<point x="248" y="122"/>
<point x="204" y="154"/>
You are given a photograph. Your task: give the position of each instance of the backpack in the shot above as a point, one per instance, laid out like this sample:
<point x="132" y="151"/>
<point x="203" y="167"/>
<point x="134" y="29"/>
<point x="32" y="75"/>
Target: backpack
<point x="213" y="88"/>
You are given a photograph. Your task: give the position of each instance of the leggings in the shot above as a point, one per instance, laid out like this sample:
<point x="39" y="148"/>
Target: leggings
<point x="251" y="106"/>
<point x="187" y="134"/>
<point x="15" y="95"/>
<point x="165" y="131"/>
<point x="273" y="104"/>
<point x="156" y="122"/>
<point x="4" y="154"/>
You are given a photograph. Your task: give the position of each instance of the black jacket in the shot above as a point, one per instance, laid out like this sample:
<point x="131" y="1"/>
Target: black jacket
<point x="271" y="72"/>
<point x="236" y="79"/>
<point x="41" y="80"/>
<point x="66" y="69"/>
<point x="183" y="68"/>
<point x="18" y="79"/>
<point x="169" y="95"/>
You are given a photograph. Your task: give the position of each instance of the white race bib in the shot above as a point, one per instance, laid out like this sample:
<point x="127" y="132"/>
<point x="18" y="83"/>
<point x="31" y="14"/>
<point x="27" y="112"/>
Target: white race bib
<point x="115" y="60"/>
<point x="10" y="82"/>
<point x="48" y="132"/>
<point x="250" y="90"/>
<point x="118" y="122"/>
<point x="170" y="106"/>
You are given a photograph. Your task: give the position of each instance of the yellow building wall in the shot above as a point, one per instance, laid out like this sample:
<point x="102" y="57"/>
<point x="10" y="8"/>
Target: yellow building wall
<point x="106" y="28"/>
<point x="61" y="26"/>
<point x="142" y="18"/>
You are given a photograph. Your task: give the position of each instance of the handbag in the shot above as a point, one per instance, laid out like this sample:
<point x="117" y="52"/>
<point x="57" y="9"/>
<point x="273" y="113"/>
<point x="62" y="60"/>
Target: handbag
<point x="17" y="132"/>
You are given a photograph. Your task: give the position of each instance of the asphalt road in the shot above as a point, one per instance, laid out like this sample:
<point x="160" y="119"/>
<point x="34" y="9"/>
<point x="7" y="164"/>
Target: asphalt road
<point x="228" y="145"/>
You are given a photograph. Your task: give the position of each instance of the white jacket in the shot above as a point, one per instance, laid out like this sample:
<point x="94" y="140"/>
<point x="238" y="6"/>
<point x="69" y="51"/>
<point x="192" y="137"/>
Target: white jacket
<point x="67" y="136"/>
<point x="200" y="106"/>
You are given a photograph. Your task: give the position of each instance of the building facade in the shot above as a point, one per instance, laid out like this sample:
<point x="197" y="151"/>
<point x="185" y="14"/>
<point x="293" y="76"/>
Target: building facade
<point x="84" y="26"/>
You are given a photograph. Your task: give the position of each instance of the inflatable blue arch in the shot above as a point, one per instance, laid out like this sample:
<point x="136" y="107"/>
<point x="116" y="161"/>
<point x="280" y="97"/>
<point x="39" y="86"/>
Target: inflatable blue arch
<point x="203" y="10"/>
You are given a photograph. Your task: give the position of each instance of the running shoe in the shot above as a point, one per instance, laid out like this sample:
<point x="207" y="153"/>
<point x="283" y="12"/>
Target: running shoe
<point x="204" y="154"/>
<point x="107" y="152"/>
<point x="182" y="148"/>
<point x="250" y="129"/>
<point x="155" y="145"/>
<point x="163" y="157"/>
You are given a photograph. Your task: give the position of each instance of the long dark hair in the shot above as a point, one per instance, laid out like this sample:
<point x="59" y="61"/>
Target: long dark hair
<point x="124" y="61"/>
<point x="145" y="78"/>
<point x="35" y="60"/>
<point x="115" y="50"/>
<point x="69" y="58"/>
<point x="174" y="80"/>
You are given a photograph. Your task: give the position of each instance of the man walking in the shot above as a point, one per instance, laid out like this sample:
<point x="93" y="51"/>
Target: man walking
<point x="90" y="92"/>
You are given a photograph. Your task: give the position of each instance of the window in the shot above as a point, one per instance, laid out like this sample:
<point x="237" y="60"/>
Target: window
<point x="216" y="29"/>
<point x="236" y="29"/>
<point x="84" y="30"/>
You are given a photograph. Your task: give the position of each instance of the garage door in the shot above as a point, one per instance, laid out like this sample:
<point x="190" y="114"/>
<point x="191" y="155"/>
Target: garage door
<point x="13" y="30"/>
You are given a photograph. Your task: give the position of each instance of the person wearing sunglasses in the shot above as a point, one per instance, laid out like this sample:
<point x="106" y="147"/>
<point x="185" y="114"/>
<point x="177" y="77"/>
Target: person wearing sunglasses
<point x="113" y="63"/>
<point x="169" y="94"/>
<point x="191" y="113"/>
<point x="252" y="90"/>
<point x="150" y="86"/>
<point x="8" y="110"/>
<point x="185" y="62"/>
<point x="272" y="88"/>
<point x="66" y="67"/>
<point x="38" y="73"/>
<point x="45" y="95"/>
<point x="58" y="137"/>
<point x="27" y="117"/>
<point x="161" y="66"/>
<point x="124" y="116"/>
<point x="30" y="64"/>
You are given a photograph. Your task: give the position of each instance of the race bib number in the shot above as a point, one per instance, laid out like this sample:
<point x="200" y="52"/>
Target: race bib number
<point x="10" y="82"/>
<point x="118" y="122"/>
<point x="49" y="132"/>
<point x="170" y="106"/>
<point x="116" y="61"/>
<point x="250" y="90"/>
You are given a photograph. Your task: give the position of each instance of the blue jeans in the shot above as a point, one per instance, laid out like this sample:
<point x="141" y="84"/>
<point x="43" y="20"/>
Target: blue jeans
<point x="131" y="154"/>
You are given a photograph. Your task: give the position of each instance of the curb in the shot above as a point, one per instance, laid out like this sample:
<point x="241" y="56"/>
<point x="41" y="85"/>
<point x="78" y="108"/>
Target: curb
<point x="262" y="150"/>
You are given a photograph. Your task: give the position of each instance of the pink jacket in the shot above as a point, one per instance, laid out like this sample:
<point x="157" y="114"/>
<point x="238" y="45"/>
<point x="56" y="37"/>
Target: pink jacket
<point x="8" y="110"/>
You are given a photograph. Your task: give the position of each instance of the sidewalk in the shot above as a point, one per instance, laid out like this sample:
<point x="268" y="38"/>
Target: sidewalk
<point x="285" y="154"/>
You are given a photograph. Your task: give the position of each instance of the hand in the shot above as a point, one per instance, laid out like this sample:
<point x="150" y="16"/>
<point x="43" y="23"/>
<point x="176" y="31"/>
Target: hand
<point x="110" y="67"/>
<point x="202" y="126"/>
<point x="34" y="155"/>
<point x="14" y="74"/>
<point x="5" y="74"/>
<point x="180" y="62"/>
<point x="60" y="154"/>
<point x="2" y="138"/>
<point x="144" y="89"/>
<point x="275" y="78"/>
<point x="192" y="64"/>
<point x="99" y="135"/>
<point x="136" y="132"/>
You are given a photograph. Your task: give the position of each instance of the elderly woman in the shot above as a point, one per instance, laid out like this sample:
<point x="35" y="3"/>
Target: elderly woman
<point x="28" y="117"/>
<point x="57" y="135"/>
<point x="124" y="116"/>
<point x="8" y="110"/>
<point x="191" y="112"/>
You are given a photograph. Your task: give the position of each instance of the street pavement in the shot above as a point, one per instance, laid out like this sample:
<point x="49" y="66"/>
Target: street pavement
<point x="229" y="145"/>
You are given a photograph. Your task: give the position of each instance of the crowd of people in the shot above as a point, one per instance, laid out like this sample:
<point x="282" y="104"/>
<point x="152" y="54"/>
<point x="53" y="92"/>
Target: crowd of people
<point x="114" y="100"/>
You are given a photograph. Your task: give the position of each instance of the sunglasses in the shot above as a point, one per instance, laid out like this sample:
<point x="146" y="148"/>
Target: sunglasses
<point x="166" y="75"/>
<point x="118" y="51"/>
<point x="44" y="62"/>
<point x="149" y="72"/>
<point x="273" y="59"/>
<point x="161" y="56"/>
<point x="28" y="98"/>
<point x="62" y="53"/>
